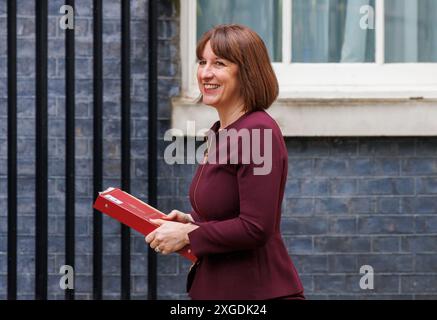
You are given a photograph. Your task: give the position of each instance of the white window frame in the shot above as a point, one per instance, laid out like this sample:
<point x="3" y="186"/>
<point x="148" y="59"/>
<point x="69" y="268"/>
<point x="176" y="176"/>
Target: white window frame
<point x="323" y="80"/>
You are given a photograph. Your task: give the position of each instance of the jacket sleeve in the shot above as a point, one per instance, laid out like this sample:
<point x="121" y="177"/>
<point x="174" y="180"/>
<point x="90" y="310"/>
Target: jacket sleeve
<point x="195" y="216"/>
<point x="259" y="196"/>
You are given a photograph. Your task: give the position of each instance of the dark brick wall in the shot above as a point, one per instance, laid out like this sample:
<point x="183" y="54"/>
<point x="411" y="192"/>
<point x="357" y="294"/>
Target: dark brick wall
<point x="349" y="201"/>
<point x="356" y="201"/>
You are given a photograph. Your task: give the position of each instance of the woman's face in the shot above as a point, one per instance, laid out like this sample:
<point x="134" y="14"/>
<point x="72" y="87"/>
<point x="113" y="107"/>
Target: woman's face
<point x="218" y="80"/>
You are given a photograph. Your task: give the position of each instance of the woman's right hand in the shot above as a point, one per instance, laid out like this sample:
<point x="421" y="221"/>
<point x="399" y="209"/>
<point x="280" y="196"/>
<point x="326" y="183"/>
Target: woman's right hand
<point x="179" y="216"/>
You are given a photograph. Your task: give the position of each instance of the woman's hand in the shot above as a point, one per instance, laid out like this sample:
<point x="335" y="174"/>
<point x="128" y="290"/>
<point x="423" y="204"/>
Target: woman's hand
<point x="179" y="216"/>
<point x="170" y="236"/>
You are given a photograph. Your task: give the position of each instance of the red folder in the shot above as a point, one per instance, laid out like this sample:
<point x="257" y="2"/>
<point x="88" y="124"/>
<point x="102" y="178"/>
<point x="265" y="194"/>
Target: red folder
<point x="132" y="212"/>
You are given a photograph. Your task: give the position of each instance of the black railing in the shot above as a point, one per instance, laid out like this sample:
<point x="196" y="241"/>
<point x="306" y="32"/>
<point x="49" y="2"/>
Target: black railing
<point x="41" y="186"/>
<point x="153" y="129"/>
<point x="125" y="141"/>
<point x="41" y="147"/>
<point x="98" y="146"/>
<point x="69" y="149"/>
<point x="12" y="150"/>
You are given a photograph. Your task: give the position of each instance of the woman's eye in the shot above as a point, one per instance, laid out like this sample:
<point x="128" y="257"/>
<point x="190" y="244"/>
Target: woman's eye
<point x="219" y="63"/>
<point x="202" y="62"/>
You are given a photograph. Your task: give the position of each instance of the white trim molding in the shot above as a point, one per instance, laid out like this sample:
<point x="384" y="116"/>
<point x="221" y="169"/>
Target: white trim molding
<point x="187" y="43"/>
<point x="327" y="117"/>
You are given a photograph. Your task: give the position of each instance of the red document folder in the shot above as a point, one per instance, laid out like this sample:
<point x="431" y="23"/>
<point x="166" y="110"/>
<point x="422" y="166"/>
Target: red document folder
<point x="132" y="212"/>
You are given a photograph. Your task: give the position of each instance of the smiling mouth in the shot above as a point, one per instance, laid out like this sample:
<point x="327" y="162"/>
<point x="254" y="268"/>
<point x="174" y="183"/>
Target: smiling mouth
<point x="208" y="86"/>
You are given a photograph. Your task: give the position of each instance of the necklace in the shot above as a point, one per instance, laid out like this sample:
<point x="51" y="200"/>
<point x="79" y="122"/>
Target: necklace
<point x="239" y="115"/>
<point x="208" y="146"/>
<point x="200" y="174"/>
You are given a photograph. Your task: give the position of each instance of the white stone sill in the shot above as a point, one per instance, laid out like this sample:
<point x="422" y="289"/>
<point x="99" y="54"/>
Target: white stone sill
<point x="328" y="117"/>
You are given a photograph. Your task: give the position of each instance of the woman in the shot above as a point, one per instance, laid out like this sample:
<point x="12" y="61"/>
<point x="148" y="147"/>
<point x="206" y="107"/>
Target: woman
<point x="234" y="226"/>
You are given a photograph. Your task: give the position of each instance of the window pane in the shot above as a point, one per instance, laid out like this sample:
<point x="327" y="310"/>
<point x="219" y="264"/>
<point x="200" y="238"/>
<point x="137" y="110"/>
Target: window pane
<point x="263" y="16"/>
<point x="411" y="31"/>
<point x="333" y="31"/>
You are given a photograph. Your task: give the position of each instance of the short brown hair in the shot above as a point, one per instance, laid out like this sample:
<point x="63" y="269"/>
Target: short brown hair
<point x="244" y="47"/>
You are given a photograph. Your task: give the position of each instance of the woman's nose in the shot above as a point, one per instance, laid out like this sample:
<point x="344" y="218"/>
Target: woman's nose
<point x="206" y="72"/>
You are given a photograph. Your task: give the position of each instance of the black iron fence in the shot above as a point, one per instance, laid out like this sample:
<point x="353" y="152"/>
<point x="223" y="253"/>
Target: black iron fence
<point x="41" y="147"/>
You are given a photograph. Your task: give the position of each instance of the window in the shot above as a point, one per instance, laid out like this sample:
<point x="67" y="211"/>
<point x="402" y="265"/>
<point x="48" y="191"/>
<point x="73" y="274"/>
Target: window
<point x="411" y="31"/>
<point x="330" y="31"/>
<point x="329" y="48"/>
<point x="262" y="16"/>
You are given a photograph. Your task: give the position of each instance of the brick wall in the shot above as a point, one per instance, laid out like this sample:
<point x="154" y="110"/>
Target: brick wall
<point x="363" y="201"/>
<point x="349" y="201"/>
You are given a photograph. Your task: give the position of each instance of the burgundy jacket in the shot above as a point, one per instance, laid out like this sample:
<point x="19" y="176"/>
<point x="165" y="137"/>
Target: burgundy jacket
<point x="238" y="242"/>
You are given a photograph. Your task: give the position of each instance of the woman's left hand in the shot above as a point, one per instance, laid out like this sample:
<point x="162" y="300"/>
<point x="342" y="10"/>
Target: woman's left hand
<point x="170" y="236"/>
